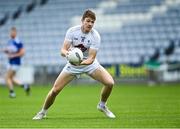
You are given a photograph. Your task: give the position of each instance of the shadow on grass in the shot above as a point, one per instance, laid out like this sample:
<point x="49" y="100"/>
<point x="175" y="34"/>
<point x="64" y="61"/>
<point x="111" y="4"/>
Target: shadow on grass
<point x="76" y="118"/>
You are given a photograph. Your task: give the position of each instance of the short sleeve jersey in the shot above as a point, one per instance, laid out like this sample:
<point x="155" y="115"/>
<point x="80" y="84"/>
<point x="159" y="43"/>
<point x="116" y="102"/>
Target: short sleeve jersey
<point x="14" y="46"/>
<point x="84" y="41"/>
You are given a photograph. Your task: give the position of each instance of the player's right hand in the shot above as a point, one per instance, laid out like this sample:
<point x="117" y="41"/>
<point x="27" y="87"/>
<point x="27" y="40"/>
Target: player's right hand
<point x="5" y="51"/>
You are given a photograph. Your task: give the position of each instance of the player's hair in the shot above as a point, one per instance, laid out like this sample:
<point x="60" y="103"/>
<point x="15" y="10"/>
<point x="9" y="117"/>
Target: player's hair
<point x="89" y="13"/>
<point x="13" y="28"/>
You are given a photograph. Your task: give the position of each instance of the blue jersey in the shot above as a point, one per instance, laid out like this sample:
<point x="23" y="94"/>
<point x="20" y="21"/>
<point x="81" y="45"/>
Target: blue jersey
<point x="14" y="46"/>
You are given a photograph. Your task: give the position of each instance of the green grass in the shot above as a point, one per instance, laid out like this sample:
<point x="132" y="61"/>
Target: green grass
<point x="135" y="107"/>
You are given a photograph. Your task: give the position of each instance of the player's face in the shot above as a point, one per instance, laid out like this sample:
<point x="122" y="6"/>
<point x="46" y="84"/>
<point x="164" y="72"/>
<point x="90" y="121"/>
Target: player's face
<point x="13" y="33"/>
<point x="87" y="24"/>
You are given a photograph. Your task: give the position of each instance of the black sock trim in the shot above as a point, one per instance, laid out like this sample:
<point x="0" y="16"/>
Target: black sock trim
<point x="11" y="91"/>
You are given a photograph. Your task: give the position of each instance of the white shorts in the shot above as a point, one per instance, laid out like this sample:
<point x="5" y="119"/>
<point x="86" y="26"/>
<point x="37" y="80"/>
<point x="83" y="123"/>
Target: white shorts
<point x="13" y="67"/>
<point x="77" y="70"/>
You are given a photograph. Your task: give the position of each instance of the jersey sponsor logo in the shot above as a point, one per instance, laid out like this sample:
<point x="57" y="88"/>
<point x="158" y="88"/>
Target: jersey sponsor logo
<point x="82" y="47"/>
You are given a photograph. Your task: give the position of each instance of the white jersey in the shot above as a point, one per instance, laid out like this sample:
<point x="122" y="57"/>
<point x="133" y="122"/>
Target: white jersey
<point x="84" y="41"/>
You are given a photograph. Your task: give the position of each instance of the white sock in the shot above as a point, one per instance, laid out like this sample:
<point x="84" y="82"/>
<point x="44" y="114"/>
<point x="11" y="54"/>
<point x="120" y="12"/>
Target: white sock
<point x="102" y="104"/>
<point x="26" y="86"/>
<point x="44" y="111"/>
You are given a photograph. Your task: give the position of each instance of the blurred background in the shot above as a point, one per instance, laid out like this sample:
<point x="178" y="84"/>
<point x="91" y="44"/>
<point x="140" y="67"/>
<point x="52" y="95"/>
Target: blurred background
<point x="140" y="38"/>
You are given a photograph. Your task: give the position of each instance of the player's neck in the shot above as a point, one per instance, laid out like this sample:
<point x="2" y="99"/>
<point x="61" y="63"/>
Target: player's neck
<point x="83" y="30"/>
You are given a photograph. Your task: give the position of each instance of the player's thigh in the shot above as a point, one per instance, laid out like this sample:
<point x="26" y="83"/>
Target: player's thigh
<point x="62" y="80"/>
<point x="101" y="75"/>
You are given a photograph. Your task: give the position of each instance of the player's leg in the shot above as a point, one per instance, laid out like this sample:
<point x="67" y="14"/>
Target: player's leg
<point x="63" y="79"/>
<point x="9" y="81"/>
<point x="24" y="85"/>
<point x="101" y="75"/>
<point x="106" y="79"/>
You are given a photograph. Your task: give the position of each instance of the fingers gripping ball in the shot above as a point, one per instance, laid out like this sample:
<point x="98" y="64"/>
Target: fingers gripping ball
<point x="75" y="56"/>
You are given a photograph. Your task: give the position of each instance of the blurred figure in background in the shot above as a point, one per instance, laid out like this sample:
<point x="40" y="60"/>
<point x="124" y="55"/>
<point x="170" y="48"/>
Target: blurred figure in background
<point x="152" y="68"/>
<point x="14" y="51"/>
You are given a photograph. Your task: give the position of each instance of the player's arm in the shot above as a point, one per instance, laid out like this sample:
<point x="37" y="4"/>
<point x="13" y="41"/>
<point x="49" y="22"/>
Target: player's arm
<point x="20" y="53"/>
<point x="65" y="48"/>
<point x="91" y="57"/>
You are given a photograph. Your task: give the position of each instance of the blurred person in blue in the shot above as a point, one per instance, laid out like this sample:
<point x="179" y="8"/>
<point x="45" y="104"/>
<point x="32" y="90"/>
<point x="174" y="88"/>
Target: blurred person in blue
<point x="14" y="51"/>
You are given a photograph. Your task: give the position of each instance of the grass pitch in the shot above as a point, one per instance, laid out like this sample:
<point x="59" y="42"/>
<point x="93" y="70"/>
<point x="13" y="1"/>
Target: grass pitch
<point x="135" y="106"/>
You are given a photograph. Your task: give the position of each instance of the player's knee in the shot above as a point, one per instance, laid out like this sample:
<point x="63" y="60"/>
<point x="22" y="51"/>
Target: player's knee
<point x="8" y="78"/>
<point x="110" y="83"/>
<point x="56" y="90"/>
